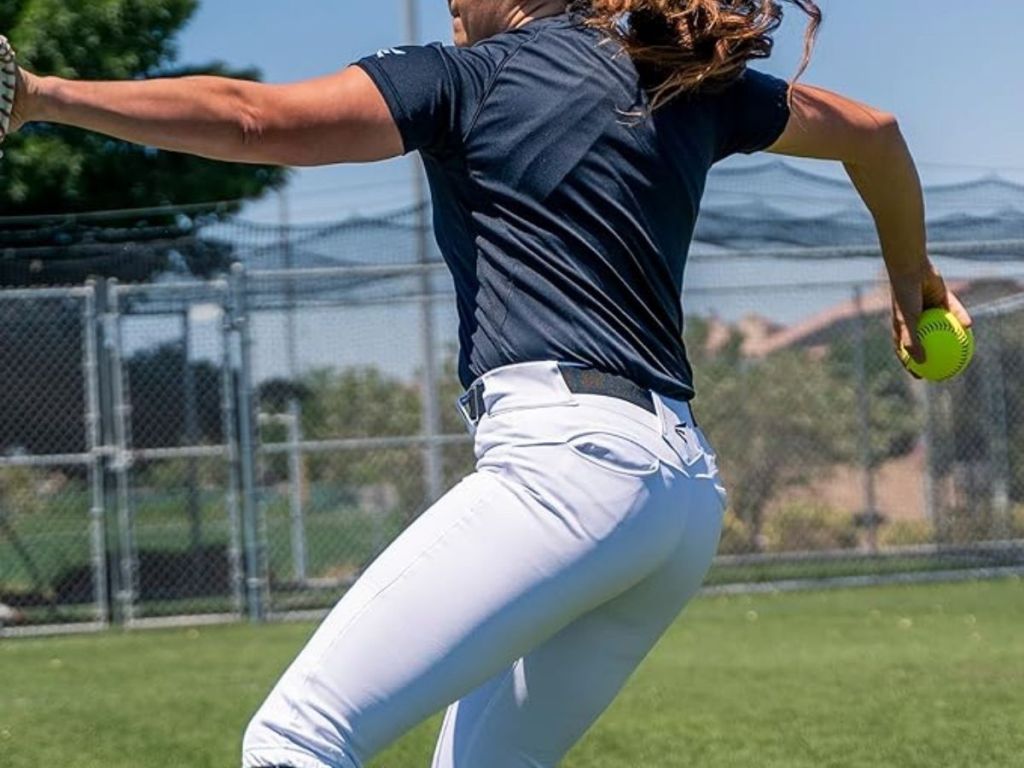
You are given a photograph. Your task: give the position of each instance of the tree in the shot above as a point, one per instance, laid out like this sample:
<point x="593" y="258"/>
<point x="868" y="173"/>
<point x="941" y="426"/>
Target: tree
<point x="50" y="169"/>
<point x="42" y="387"/>
<point x="365" y="403"/>
<point x="893" y="415"/>
<point x="775" y="422"/>
<point x="159" y="401"/>
<point x="976" y="435"/>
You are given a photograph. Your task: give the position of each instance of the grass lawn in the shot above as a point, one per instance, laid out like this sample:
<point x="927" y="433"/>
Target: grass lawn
<point x="901" y="676"/>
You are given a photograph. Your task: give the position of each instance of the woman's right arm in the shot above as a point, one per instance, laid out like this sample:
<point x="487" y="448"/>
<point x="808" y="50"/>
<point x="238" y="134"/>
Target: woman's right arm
<point x="333" y="119"/>
<point x="869" y="143"/>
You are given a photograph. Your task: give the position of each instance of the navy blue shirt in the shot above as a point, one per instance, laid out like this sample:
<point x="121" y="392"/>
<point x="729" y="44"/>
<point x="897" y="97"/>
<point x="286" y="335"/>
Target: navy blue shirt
<point x="562" y="207"/>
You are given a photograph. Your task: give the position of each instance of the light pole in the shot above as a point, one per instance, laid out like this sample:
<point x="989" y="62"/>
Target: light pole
<point x="431" y="421"/>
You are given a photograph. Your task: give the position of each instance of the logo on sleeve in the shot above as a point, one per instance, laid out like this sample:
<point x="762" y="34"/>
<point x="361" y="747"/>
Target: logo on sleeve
<point x="389" y="52"/>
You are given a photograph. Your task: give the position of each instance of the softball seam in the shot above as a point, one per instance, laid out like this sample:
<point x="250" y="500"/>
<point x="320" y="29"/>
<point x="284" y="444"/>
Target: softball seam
<point x="961" y="336"/>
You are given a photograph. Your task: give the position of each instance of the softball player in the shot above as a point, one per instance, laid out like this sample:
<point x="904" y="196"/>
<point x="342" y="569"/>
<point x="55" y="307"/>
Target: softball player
<point x="567" y="150"/>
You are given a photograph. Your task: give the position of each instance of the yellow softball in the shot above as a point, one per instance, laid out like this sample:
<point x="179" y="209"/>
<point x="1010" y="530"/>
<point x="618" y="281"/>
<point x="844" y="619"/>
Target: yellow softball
<point x="948" y="346"/>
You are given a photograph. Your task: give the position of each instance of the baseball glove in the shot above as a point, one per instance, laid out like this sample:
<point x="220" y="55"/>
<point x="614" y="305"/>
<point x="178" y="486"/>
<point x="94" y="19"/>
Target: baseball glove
<point x="8" y="86"/>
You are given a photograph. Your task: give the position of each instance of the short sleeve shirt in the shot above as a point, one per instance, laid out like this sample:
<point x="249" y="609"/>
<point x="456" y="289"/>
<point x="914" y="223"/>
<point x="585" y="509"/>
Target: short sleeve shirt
<point x="563" y="206"/>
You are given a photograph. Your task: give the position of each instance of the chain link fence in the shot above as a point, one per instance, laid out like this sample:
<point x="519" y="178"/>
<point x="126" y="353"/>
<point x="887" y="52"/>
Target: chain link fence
<point x="843" y="469"/>
<point x="177" y="449"/>
<point x="245" y="446"/>
<point x="52" y="539"/>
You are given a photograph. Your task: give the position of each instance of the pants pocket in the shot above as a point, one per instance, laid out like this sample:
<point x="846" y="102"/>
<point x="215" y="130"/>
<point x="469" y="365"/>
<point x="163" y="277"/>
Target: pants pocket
<point x="615" y="453"/>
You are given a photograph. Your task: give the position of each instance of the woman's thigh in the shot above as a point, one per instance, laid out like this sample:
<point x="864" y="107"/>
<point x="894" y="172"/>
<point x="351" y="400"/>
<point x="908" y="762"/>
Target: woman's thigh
<point x="534" y="711"/>
<point x="488" y="573"/>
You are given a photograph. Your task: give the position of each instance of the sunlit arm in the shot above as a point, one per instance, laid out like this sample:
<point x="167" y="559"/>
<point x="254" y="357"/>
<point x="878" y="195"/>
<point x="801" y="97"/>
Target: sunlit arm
<point x="333" y="119"/>
<point x="869" y="143"/>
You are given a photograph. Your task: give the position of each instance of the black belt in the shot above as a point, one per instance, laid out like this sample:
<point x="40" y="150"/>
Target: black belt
<point x="580" y="381"/>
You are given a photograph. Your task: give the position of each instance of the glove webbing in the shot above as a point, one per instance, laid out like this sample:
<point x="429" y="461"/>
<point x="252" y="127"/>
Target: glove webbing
<point x="8" y="85"/>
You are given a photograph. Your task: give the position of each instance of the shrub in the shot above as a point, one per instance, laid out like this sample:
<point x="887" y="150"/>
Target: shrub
<point x="20" y="491"/>
<point x="735" y="536"/>
<point x="808" y="527"/>
<point x="968" y="525"/>
<point x="906" y="533"/>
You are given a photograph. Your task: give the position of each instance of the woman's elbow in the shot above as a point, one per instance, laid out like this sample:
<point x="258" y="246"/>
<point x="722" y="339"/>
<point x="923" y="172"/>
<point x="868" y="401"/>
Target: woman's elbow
<point x="883" y="132"/>
<point x="249" y="122"/>
<point x="876" y="139"/>
<point x="251" y="126"/>
<point x="271" y="140"/>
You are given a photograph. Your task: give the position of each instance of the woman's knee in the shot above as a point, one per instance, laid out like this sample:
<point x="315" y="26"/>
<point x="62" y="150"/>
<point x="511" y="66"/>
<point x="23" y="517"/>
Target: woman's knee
<point x="272" y="741"/>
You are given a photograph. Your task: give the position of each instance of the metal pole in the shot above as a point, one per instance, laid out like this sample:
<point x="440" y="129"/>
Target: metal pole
<point x="94" y="438"/>
<point x="295" y="482"/>
<point x="433" y="466"/>
<point x="229" y="420"/>
<point x="930" y="488"/>
<point x="871" y="516"/>
<point x="291" y="331"/>
<point x="945" y="452"/>
<point x="255" y="581"/>
<point x="191" y="429"/>
<point x="999" y="439"/>
<point x="122" y="459"/>
<point x="295" y="479"/>
<point x="114" y="546"/>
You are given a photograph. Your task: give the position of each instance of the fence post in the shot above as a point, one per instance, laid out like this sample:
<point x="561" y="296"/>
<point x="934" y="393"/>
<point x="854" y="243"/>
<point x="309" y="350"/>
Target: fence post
<point x="944" y="452"/>
<point x="433" y="466"/>
<point x="996" y="427"/>
<point x="126" y="594"/>
<point x="104" y="368"/>
<point x="191" y="430"/>
<point x="930" y="487"/>
<point x="870" y="516"/>
<point x="295" y="483"/>
<point x="256" y="585"/>
<point x="229" y="420"/>
<point x="295" y="480"/>
<point x="94" y="444"/>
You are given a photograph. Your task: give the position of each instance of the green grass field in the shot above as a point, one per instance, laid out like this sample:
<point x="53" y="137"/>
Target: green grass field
<point x="910" y="676"/>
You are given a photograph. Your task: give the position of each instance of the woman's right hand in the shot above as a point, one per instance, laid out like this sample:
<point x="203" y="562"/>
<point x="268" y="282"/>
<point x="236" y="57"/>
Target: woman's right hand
<point x="912" y="294"/>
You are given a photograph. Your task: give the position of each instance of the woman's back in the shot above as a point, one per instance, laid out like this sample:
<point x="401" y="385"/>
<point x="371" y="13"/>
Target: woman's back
<point x="563" y="206"/>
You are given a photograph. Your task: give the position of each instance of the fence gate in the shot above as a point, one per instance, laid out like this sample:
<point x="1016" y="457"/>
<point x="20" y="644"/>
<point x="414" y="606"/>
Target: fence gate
<point x="52" y="540"/>
<point x="179" y="478"/>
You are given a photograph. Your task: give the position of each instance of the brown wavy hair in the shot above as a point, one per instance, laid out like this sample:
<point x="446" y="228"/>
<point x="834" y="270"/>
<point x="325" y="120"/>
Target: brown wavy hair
<point x="689" y="45"/>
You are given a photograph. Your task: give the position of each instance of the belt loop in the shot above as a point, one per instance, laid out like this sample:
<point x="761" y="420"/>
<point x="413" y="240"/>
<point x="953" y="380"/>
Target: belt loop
<point x="666" y="418"/>
<point x="471" y="406"/>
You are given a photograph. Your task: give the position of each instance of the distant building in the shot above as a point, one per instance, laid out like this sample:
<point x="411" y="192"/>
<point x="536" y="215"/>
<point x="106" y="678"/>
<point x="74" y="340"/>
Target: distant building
<point x="819" y="331"/>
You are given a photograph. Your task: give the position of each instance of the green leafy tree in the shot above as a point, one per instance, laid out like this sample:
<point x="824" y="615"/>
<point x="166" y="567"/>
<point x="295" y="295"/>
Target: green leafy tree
<point x="364" y="403"/>
<point x="774" y="422"/>
<point x="893" y="416"/>
<point x="976" y="436"/>
<point x="50" y="169"/>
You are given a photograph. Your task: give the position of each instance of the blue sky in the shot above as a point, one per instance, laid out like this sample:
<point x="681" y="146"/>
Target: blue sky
<point x="952" y="71"/>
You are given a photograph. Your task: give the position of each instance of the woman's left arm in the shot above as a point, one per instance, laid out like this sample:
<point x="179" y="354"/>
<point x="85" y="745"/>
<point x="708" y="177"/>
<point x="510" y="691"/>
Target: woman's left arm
<point x="869" y="143"/>
<point x="333" y="119"/>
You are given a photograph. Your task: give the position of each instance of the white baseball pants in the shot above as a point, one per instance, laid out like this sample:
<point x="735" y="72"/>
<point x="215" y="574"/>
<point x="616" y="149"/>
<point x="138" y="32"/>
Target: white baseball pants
<point x="526" y="596"/>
